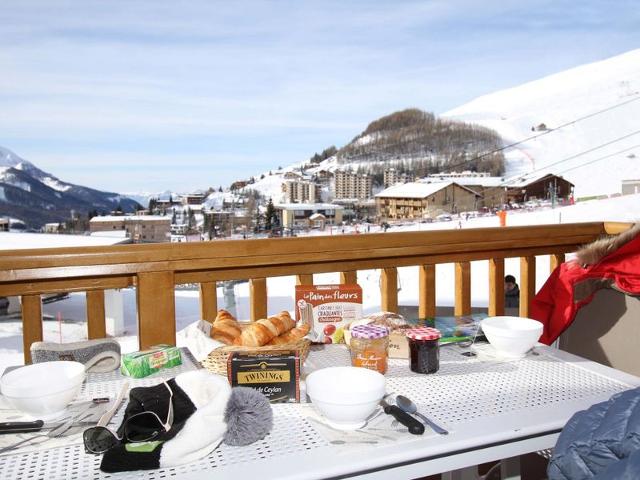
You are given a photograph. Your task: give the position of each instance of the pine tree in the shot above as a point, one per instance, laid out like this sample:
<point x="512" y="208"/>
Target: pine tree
<point x="270" y="215"/>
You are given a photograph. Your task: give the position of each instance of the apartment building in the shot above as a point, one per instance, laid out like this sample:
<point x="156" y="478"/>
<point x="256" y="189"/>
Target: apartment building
<point x="301" y="191"/>
<point x="391" y="176"/>
<point x="352" y="185"/>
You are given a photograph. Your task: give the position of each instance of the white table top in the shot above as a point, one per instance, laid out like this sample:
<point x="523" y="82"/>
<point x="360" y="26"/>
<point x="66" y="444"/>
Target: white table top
<point x="493" y="409"/>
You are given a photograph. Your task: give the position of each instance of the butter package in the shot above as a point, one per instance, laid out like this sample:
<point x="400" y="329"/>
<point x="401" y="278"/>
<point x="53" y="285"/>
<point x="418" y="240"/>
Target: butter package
<point x="275" y="374"/>
<point x="146" y="362"/>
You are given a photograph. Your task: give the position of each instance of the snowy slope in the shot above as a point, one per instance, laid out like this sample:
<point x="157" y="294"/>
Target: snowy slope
<point x="562" y="98"/>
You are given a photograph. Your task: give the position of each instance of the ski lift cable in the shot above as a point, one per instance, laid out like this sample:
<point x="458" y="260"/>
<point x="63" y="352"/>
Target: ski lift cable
<point x="546" y="132"/>
<point x="601" y="158"/>
<point x="597" y="147"/>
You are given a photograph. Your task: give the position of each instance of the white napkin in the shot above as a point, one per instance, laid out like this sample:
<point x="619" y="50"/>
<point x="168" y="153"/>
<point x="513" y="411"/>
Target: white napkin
<point x="379" y="429"/>
<point x="193" y="337"/>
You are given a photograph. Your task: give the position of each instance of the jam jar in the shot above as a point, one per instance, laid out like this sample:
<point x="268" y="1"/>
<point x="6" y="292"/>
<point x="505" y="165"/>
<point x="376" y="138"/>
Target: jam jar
<point x="369" y="344"/>
<point x="424" y="349"/>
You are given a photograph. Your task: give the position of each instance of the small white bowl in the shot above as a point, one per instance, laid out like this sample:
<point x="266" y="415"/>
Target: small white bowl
<point x="43" y="390"/>
<point x="346" y="396"/>
<point x="512" y="337"/>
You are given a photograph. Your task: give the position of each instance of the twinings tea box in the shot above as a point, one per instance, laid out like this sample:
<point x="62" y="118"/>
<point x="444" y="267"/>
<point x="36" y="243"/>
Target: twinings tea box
<point x="328" y="308"/>
<point x="145" y="362"/>
<point x="274" y="374"/>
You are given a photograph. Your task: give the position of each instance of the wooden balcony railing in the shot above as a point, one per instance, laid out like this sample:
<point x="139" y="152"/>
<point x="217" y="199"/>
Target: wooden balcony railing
<point x="155" y="269"/>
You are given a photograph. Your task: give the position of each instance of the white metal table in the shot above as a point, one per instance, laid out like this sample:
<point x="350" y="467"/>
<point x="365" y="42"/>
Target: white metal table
<point x="493" y="410"/>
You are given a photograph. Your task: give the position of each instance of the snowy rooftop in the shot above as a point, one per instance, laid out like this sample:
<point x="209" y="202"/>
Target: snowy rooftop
<point x="309" y="206"/>
<point x="466" y="181"/>
<point x="413" y="190"/>
<point x="128" y="218"/>
<point x="20" y="241"/>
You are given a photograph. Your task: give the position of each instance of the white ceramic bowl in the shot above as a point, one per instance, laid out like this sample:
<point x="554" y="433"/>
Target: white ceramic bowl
<point x="43" y="390"/>
<point x="346" y="396"/>
<point x="512" y="337"/>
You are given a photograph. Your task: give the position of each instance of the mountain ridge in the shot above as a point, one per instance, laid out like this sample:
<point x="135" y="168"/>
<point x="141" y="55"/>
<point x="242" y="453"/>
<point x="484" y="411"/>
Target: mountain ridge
<point x="37" y="197"/>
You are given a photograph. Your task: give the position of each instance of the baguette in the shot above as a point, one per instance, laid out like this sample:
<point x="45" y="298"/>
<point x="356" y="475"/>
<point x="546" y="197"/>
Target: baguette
<point x="291" y="336"/>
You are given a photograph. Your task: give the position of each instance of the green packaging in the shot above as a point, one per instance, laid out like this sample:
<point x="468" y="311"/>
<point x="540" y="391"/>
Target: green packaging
<point x="145" y="362"/>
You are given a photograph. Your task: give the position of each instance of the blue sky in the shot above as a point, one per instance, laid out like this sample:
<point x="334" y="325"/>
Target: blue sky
<point x="146" y="96"/>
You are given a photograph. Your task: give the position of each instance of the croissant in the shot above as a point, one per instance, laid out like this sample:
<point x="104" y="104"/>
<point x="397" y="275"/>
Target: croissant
<point x="224" y="315"/>
<point x="291" y="336"/>
<point x="255" y="335"/>
<point x="222" y="336"/>
<point x="225" y="328"/>
<point x="278" y="324"/>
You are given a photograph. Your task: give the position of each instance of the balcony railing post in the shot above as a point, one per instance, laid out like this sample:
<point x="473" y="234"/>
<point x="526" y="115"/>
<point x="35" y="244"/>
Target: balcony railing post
<point x="304" y="279"/>
<point x="96" y="324"/>
<point x="349" y="278"/>
<point x="527" y="283"/>
<point x="31" y="323"/>
<point x="555" y="260"/>
<point x="427" y="291"/>
<point x="208" y="301"/>
<point x="496" y="286"/>
<point x="463" y="289"/>
<point x="389" y="289"/>
<point x="155" y="295"/>
<point x="257" y="298"/>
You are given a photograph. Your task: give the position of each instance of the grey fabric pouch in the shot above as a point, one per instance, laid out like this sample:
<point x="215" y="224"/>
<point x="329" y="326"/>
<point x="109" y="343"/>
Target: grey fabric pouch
<point x="100" y="355"/>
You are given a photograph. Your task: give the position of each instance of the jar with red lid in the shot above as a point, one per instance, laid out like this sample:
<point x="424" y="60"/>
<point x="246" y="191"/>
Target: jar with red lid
<point x="424" y="349"/>
<point x="369" y="344"/>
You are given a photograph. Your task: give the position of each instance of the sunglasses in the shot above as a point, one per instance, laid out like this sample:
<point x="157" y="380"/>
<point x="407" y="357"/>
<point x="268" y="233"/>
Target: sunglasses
<point x="140" y="427"/>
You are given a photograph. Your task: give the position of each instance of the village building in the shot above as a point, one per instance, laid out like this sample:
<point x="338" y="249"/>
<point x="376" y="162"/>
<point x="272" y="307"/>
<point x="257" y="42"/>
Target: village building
<point x="420" y="200"/>
<point x="630" y="187"/>
<point x="299" y="215"/>
<point x="537" y="186"/>
<point x="195" y="198"/>
<point x="139" y="228"/>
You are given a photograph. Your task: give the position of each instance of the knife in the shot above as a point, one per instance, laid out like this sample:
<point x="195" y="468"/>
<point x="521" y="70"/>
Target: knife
<point x="415" y="426"/>
<point x="37" y="425"/>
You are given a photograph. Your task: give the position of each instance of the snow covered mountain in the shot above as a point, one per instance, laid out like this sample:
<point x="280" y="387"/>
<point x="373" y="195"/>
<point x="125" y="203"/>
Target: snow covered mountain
<point x="37" y="197"/>
<point x="581" y="123"/>
<point x="584" y="122"/>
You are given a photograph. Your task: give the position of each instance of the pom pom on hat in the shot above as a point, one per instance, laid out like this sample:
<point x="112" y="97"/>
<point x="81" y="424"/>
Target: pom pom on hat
<point x="248" y="416"/>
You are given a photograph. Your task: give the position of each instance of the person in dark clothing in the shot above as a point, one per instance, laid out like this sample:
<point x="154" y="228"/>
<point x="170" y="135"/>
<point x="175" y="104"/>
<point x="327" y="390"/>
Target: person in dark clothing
<point x="511" y="292"/>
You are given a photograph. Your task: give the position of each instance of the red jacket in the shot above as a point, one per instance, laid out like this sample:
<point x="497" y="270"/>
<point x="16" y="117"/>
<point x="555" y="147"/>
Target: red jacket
<point x="571" y="286"/>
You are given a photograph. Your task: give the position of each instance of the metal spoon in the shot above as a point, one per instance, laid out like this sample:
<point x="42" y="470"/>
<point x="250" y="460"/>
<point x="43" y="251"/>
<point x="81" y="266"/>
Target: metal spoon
<point x="408" y="406"/>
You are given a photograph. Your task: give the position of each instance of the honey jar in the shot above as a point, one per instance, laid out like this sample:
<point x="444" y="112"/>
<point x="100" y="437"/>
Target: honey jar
<point x="369" y="344"/>
<point x="424" y="349"/>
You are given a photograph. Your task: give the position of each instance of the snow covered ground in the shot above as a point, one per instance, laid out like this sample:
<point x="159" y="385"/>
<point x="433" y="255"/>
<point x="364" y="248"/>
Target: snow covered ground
<point x="71" y="326"/>
<point x="594" y="108"/>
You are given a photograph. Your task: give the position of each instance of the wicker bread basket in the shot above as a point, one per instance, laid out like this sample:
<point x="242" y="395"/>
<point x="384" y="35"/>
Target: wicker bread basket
<point x="216" y="361"/>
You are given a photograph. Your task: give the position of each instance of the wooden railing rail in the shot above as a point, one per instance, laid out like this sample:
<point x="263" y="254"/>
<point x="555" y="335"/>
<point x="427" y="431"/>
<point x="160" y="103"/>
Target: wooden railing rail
<point x="154" y="269"/>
